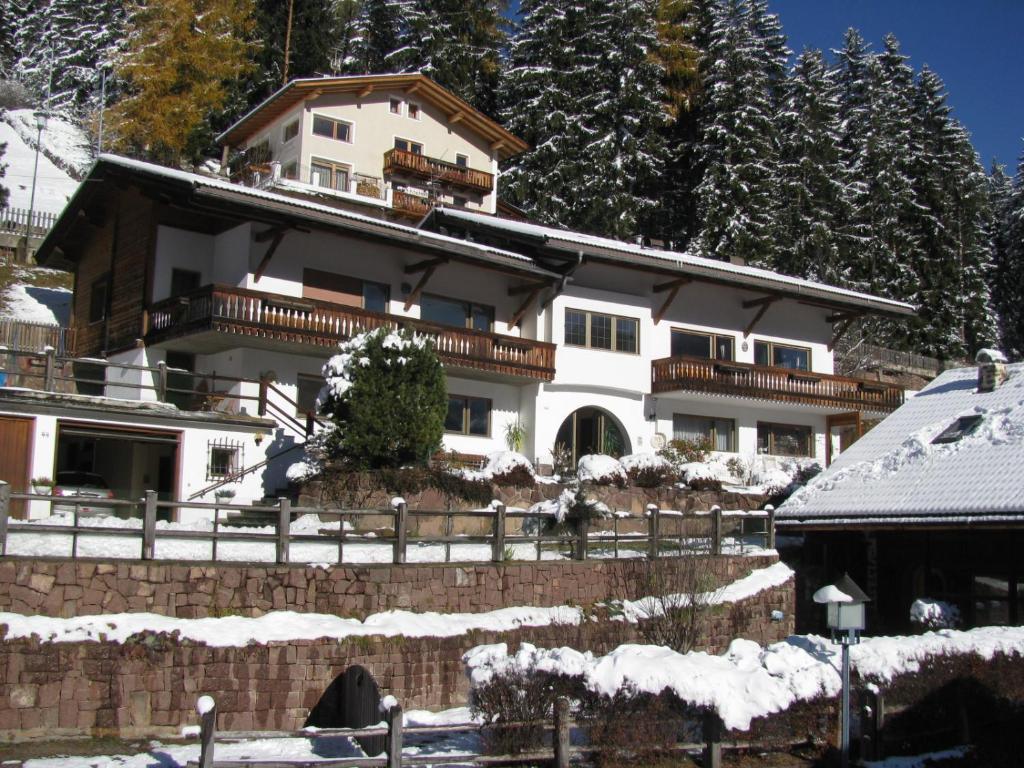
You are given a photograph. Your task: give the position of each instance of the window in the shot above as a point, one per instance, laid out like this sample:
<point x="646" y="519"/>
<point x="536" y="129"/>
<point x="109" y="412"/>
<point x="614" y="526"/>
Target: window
<point x="323" y="173"/>
<point x="306" y="392"/>
<point x="598" y="331"/>
<point x="409" y="146"/>
<point x="782" y="355"/>
<point x="414" y="111"/>
<point x="332" y="129"/>
<point x="459" y="202"/>
<point x="259" y="153"/>
<point x="290" y="171"/>
<point x="468" y="415"/>
<point x="184" y="281"/>
<point x="376" y="296"/>
<point x="290" y="131"/>
<point x="462" y="161"/>
<point x="395" y="106"/>
<point x="707" y="345"/>
<point x="464" y="314"/>
<point x="225" y="459"/>
<point x="963" y="426"/>
<point x="98" y="299"/>
<point x="720" y="433"/>
<point x="784" y="439"/>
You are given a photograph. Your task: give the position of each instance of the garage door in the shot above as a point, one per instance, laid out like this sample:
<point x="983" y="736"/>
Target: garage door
<point x="15" y="450"/>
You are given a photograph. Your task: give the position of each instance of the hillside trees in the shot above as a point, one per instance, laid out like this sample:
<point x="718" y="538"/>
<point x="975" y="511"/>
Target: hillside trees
<point x="180" y="55"/>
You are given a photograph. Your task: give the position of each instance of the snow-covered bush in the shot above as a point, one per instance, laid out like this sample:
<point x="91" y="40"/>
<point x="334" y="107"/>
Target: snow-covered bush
<point x="647" y="470"/>
<point x="508" y="469"/>
<point x="680" y="452"/>
<point x="601" y="470"/>
<point x="934" y="614"/>
<point x="385" y="397"/>
<point x="703" y="476"/>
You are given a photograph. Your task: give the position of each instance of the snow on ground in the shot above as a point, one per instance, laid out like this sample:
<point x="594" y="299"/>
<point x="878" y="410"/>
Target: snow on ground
<point x="747" y="681"/>
<point x="54" y="185"/>
<point x="918" y="761"/>
<point x="358" y="548"/>
<point x="36" y="304"/>
<point x="235" y="631"/>
<point x="62" y="139"/>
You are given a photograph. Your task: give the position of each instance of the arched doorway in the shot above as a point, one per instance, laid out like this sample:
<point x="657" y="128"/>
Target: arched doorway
<point x="593" y="430"/>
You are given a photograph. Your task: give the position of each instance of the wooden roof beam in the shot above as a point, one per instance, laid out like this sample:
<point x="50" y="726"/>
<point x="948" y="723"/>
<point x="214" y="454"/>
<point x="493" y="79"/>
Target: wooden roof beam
<point x="414" y="87"/>
<point x="660" y="287"/>
<point x="672" y="287"/>
<point x="452" y="119"/>
<point x="844" y="326"/>
<point x="518" y="290"/>
<point x="365" y="91"/>
<point x="420" y="266"/>
<point x="276" y="235"/>
<point x="763" y="303"/>
<point x="517" y="318"/>
<point x="424" y="279"/>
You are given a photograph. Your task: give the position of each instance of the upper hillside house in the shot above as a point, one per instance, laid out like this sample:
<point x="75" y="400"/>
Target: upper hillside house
<point x="600" y="345"/>
<point x="929" y="504"/>
<point x="384" y="145"/>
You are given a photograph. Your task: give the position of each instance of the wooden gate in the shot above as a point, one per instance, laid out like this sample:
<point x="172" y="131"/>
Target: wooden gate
<point x="15" y="453"/>
<point x="351" y="701"/>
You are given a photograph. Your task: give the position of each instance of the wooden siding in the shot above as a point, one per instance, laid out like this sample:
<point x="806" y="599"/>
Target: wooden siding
<point x="693" y="374"/>
<point x="322" y="324"/>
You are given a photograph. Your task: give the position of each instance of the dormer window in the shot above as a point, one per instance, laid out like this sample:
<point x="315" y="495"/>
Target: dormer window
<point x="332" y="129"/>
<point x="962" y="427"/>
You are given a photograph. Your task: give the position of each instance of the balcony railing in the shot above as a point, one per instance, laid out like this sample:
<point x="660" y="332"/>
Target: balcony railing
<point x="411" y="205"/>
<point x="400" y="161"/>
<point x="766" y="383"/>
<point x="243" y="312"/>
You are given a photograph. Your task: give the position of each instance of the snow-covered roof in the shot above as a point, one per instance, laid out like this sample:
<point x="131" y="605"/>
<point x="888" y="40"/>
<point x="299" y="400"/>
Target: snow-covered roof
<point x="213" y="187"/>
<point x="897" y="475"/>
<point x="686" y="263"/>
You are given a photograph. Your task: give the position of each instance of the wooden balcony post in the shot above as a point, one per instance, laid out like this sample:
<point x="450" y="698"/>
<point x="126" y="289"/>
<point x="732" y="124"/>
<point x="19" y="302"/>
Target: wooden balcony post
<point x="498" y="542"/>
<point x="161" y="381"/>
<point x="261" y="408"/>
<point x="149" y="526"/>
<point x="394" y="746"/>
<point x="716" y="530"/>
<point x="50" y="370"/>
<point x="653" y="530"/>
<point x="284" y="520"/>
<point x="401" y="532"/>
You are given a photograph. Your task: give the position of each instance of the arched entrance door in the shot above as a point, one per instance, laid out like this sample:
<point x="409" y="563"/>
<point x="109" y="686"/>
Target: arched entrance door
<point x="593" y="430"/>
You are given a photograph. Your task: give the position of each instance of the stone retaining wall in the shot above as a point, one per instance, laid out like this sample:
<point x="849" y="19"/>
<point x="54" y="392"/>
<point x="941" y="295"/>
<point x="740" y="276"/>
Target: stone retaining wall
<point x="65" y="588"/>
<point x="148" y="686"/>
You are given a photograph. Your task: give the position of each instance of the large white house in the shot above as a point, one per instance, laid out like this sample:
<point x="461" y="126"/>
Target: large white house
<point x="596" y="344"/>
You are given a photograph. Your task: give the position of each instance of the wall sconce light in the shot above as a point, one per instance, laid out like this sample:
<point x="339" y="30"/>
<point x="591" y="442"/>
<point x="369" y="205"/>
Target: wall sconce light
<point x="652" y="409"/>
<point x="258" y="438"/>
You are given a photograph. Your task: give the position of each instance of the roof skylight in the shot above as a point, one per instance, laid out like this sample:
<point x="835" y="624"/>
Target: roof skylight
<point x="963" y="426"/>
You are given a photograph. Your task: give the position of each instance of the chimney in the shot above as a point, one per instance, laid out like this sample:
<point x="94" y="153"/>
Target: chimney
<point x="991" y="369"/>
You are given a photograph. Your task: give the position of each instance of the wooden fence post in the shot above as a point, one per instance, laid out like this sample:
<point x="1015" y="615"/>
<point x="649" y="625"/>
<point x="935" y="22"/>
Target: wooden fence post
<point x="401" y="523"/>
<point x="498" y="542"/>
<point x="562" y="723"/>
<point x="50" y="370"/>
<point x="769" y="542"/>
<point x="207" y="709"/>
<point x="870" y="748"/>
<point x="716" y="530"/>
<point x="161" y="381"/>
<point x="149" y="526"/>
<point x="5" y="514"/>
<point x="394" y="747"/>
<point x="583" y="533"/>
<point x="653" y="530"/>
<point x="712" y="740"/>
<point x="284" y="521"/>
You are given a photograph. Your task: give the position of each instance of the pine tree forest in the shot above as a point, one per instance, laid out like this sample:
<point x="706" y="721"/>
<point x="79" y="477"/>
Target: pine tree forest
<point x="684" y="122"/>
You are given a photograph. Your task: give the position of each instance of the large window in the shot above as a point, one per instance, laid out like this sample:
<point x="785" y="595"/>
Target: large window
<point x="324" y="173"/>
<point x="376" y="296"/>
<point x="720" y="433"/>
<point x="409" y="146"/>
<point x="784" y="439"/>
<point x="291" y="130"/>
<point x="468" y="415"/>
<point x="345" y="289"/>
<point x="332" y="129"/>
<point x="708" y="345"/>
<point x="184" y="281"/>
<point x="782" y="355"/>
<point x="599" y="331"/>
<point x="438" y="309"/>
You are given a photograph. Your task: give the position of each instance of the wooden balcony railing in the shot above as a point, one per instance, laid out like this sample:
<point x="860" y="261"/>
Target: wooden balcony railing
<point x="400" y="161"/>
<point x="243" y="312"/>
<point x="412" y="205"/>
<point x="780" y="384"/>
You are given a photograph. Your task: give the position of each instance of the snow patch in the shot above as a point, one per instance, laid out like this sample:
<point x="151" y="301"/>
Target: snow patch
<point x="598" y="468"/>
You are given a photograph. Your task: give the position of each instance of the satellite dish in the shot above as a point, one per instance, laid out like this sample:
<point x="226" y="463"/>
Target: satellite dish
<point x="659" y="441"/>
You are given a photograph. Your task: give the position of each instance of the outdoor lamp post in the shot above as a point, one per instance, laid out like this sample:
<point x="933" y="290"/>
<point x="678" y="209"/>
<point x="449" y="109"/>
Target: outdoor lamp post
<point x="41" y="117"/>
<point x="845" y="601"/>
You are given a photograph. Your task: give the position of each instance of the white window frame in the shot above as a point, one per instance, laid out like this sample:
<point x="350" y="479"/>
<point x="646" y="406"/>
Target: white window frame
<point x="351" y="129"/>
<point x="410" y="106"/>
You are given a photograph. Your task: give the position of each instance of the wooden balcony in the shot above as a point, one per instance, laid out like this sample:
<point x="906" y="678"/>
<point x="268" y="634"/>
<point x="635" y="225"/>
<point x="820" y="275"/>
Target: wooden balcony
<point x="229" y="311"/>
<point x="413" y="206"/>
<point x="423" y="167"/>
<point x="719" y="377"/>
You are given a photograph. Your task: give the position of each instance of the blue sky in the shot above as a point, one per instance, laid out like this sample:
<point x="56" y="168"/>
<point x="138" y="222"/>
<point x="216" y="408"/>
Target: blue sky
<point x="975" y="46"/>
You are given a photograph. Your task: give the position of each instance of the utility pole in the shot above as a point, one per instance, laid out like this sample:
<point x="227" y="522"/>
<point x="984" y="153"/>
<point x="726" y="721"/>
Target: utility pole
<point x="288" y="40"/>
<point x="41" y="118"/>
<point x="103" y="107"/>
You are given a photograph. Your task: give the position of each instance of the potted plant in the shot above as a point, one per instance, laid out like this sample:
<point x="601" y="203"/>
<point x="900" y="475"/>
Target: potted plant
<point x="42" y="486"/>
<point x="224" y="494"/>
